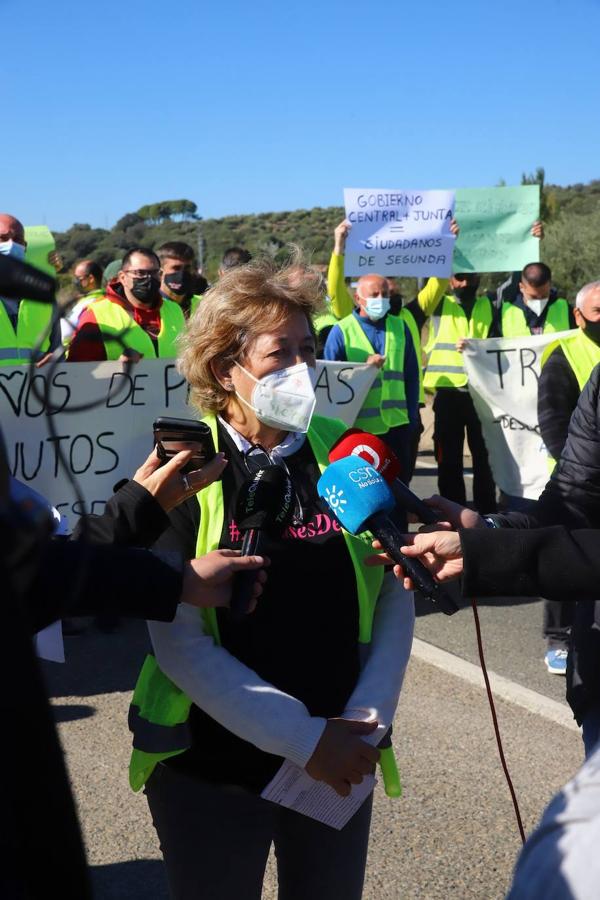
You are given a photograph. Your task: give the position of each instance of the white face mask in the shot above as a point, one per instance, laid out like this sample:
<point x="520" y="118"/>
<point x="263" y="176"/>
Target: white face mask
<point x="10" y="248"/>
<point x="283" y="399"/>
<point x="537" y="306"/>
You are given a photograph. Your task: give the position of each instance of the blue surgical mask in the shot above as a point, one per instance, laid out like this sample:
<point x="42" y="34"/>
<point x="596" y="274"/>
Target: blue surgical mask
<point x="377" y="307"/>
<point x="10" y="248"/>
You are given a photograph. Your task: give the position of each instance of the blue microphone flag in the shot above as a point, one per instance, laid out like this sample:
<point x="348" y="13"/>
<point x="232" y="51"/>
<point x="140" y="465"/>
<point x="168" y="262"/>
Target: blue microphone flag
<point x="354" y="491"/>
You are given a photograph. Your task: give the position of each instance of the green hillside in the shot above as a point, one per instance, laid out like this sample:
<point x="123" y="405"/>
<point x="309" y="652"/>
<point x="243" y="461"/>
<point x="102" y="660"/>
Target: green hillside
<point x="571" y="246"/>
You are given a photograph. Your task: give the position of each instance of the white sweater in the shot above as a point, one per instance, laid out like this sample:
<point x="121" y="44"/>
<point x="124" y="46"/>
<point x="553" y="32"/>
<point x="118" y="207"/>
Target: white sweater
<point x="236" y="697"/>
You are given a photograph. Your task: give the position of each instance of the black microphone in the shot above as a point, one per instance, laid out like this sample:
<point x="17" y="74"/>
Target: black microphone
<point x="18" y="279"/>
<point x="264" y="506"/>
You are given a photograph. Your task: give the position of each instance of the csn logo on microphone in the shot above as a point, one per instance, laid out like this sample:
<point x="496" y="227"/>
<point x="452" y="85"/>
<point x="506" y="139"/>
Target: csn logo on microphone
<point x="354" y="492"/>
<point x="364" y="476"/>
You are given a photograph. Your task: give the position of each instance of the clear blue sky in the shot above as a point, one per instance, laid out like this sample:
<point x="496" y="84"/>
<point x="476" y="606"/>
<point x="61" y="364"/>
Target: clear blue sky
<point x="255" y="106"/>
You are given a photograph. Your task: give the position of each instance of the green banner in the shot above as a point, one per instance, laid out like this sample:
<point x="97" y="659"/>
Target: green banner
<point x="495" y="228"/>
<point x="40" y="242"/>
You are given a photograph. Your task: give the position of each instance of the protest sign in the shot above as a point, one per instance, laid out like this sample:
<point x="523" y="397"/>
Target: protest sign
<point x="503" y="382"/>
<point x="397" y="232"/>
<point x="40" y="242"/>
<point x="495" y="228"/>
<point x="108" y="443"/>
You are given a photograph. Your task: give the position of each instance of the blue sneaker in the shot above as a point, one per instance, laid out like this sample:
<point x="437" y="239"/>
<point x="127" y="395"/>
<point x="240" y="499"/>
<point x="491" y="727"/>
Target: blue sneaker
<point x="556" y="661"/>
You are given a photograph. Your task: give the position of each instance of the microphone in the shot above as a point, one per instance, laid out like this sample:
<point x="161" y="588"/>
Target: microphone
<point x="19" y="279"/>
<point x="377" y="453"/>
<point x="360" y="500"/>
<point x="264" y="506"/>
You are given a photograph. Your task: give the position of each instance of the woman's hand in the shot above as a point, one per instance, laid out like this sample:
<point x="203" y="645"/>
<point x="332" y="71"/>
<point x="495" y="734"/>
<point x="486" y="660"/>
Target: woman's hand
<point x="439" y="551"/>
<point x="208" y="580"/>
<point x="166" y="483"/>
<point x="341" y="758"/>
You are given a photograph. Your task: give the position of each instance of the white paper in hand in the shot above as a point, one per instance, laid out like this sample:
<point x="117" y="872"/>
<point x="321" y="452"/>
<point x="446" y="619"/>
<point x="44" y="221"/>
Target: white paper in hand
<point x="293" y="788"/>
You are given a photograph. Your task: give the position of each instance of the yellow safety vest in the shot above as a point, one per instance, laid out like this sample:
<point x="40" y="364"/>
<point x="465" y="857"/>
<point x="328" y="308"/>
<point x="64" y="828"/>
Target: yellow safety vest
<point x="120" y="331"/>
<point x="444" y="362"/>
<point x="385" y="405"/>
<point x="195" y="302"/>
<point x="514" y="323"/>
<point x="33" y="320"/>
<point x="159" y="712"/>
<point x="583" y="356"/>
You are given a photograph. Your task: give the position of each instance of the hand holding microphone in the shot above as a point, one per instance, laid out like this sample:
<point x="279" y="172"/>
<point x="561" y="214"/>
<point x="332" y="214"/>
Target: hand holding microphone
<point x="264" y="505"/>
<point x="361" y="501"/>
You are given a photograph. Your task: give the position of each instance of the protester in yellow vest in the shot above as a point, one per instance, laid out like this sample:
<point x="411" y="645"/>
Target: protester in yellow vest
<point x="566" y="367"/>
<point x="453" y="318"/>
<point x="133" y="321"/>
<point x="87" y="282"/>
<point x="222" y="702"/>
<point x="22" y="321"/>
<point x="178" y="264"/>
<point x="371" y="335"/>
<point x="536" y="308"/>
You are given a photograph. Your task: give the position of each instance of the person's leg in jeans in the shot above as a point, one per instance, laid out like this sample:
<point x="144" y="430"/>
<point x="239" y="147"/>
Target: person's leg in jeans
<point x="484" y="489"/>
<point x="448" y="440"/>
<point x="558" y="620"/>
<point x="215" y="839"/>
<point x="316" y="862"/>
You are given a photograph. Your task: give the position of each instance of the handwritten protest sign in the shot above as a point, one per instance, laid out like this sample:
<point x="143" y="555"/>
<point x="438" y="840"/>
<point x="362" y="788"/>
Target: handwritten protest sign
<point x="396" y="232"/>
<point x="108" y="443"/>
<point x="503" y="381"/>
<point x="40" y="242"/>
<point x="495" y="228"/>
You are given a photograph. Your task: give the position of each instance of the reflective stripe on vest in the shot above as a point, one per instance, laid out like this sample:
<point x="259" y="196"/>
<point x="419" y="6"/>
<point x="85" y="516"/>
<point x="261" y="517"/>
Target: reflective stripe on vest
<point x="415" y="334"/>
<point x="583" y="356"/>
<point x="33" y="320"/>
<point x="444" y="362"/>
<point x="120" y="331"/>
<point x="157" y="701"/>
<point x="385" y="405"/>
<point x="514" y="323"/>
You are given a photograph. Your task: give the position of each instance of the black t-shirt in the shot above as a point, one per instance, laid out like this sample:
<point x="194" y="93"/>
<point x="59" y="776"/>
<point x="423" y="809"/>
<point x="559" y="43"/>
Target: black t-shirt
<point x="303" y="636"/>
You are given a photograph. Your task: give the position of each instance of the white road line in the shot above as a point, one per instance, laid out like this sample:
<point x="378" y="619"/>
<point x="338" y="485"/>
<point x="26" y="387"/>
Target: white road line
<point x="501" y="687"/>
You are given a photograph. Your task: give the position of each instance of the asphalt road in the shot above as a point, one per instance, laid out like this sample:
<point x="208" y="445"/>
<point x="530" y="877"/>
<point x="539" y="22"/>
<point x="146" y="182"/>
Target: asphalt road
<point x="452" y="834"/>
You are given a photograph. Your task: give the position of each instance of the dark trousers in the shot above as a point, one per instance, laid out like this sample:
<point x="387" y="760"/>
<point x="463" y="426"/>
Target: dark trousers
<point x="215" y="840"/>
<point x="454" y="414"/>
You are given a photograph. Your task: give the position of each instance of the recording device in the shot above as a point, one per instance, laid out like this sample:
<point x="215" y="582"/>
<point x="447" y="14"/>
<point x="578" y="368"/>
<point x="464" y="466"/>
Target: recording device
<point x="264" y="506"/>
<point x="173" y="435"/>
<point x="377" y="453"/>
<point x="19" y="279"/>
<point x="360" y="500"/>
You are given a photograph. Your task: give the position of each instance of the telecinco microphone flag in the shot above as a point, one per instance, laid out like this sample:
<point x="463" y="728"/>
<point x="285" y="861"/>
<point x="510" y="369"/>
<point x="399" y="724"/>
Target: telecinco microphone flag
<point x="264" y="505"/>
<point x="19" y="279"/>
<point x="376" y="452"/>
<point x="360" y="500"/>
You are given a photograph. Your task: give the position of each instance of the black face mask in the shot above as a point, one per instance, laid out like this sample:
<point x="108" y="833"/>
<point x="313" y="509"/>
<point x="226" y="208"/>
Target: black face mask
<point x="180" y="283"/>
<point x="465" y="293"/>
<point x="146" y="290"/>
<point x="592" y="329"/>
<point x="77" y="286"/>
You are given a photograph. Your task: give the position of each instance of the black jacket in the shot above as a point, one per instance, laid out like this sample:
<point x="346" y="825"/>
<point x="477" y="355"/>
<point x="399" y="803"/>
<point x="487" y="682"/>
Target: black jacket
<point x="41" y="852"/>
<point x="572" y="498"/>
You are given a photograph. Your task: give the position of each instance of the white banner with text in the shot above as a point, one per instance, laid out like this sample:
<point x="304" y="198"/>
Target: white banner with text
<point x="396" y="232"/>
<point x="503" y="381"/>
<point x="105" y="444"/>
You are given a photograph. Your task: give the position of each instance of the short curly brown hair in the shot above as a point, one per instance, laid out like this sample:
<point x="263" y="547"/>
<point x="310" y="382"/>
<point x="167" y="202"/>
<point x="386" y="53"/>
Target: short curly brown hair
<point x="246" y="301"/>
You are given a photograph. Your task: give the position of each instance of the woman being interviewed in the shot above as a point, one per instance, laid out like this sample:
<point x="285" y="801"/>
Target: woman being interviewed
<point x="223" y="702"/>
